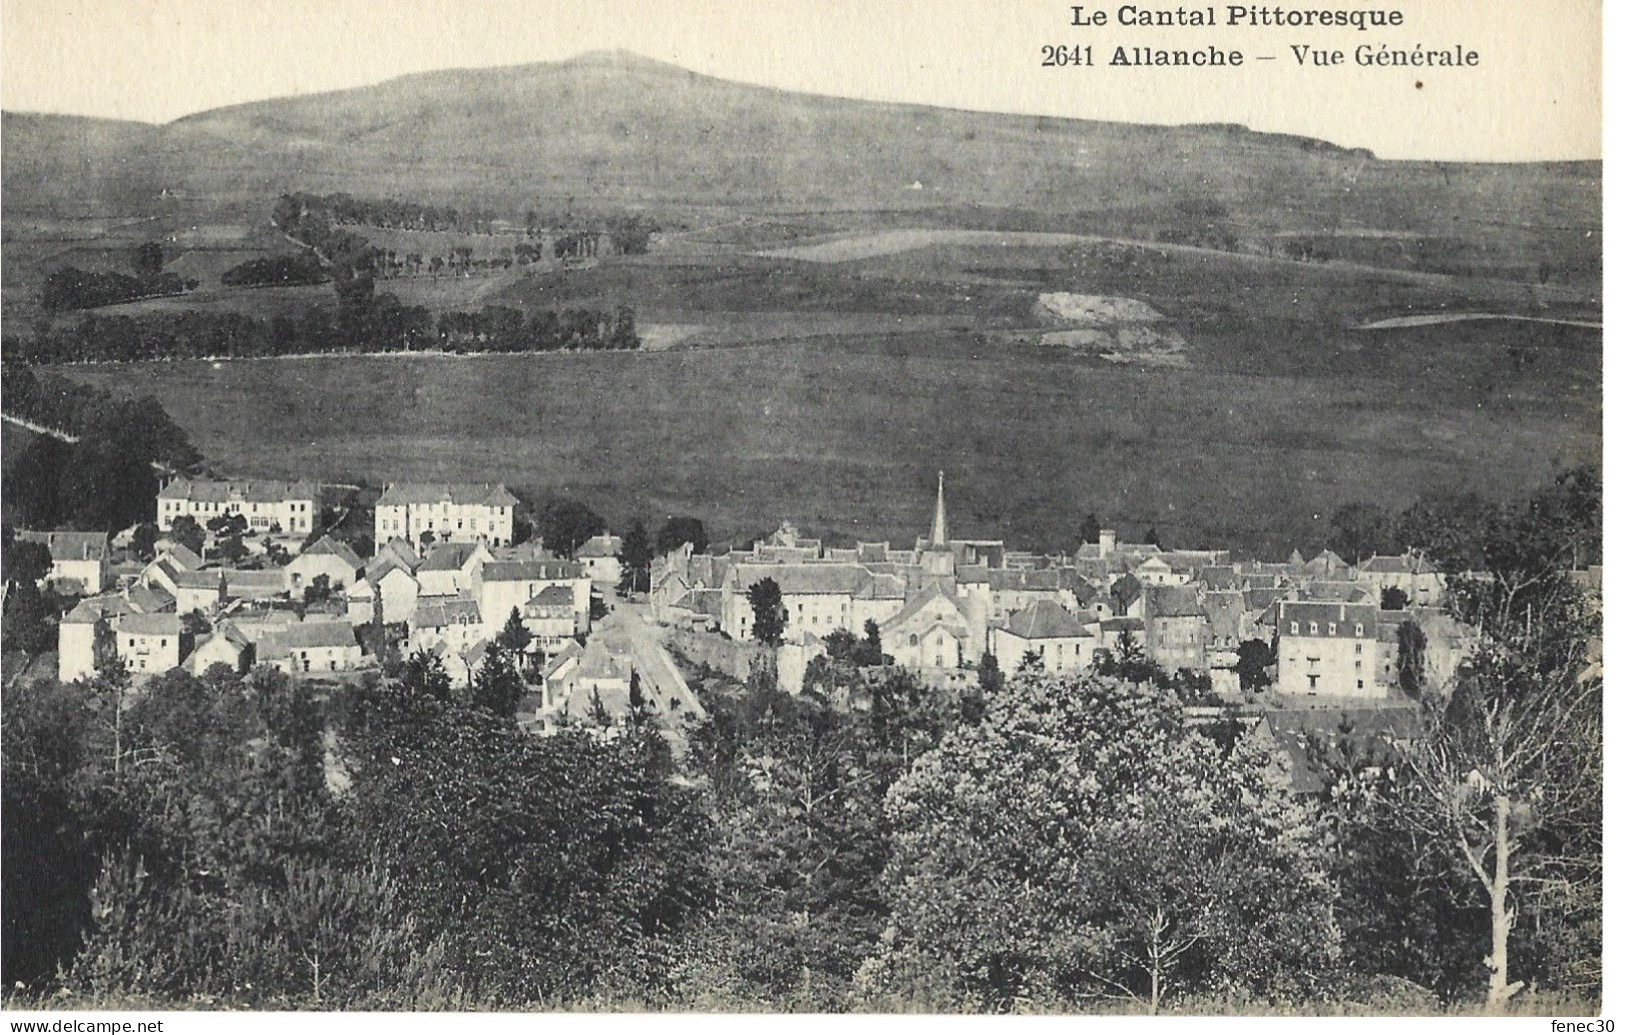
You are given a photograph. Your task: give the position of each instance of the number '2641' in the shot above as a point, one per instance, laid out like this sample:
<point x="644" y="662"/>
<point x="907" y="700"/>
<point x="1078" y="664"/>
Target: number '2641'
<point x="1062" y="56"/>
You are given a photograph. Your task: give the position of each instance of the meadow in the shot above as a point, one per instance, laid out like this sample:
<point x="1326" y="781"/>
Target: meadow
<point x="844" y="435"/>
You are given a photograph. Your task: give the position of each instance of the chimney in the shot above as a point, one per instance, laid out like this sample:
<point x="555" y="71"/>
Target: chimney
<point x="1108" y="541"/>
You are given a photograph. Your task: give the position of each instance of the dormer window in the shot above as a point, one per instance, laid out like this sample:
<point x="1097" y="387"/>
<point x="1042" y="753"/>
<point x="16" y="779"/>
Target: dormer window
<point x="1359" y="628"/>
<point x="1294" y="628"/>
<point x="1314" y="628"/>
<point x="1331" y="629"/>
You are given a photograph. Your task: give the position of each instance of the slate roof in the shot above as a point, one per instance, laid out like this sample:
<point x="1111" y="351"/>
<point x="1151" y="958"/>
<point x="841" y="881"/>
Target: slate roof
<point x="448" y="556"/>
<point x="1364" y="735"/>
<point x="805" y="579"/>
<point x="149" y="599"/>
<point x="328" y="546"/>
<point x="259" y="585"/>
<point x="181" y="557"/>
<point x="1031" y="580"/>
<point x="70" y="546"/>
<point x="459" y="493"/>
<point x="571" y="651"/>
<point x="306" y="636"/>
<point x="1225" y="610"/>
<point x="150" y="625"/>
<point x="205" y="491"/>
<point x="1173" y="602"/>
<point x="702" y="601"/>
<point x="525" y="571"/>
<point x="439" y="612"/>
<point x="1219" y="577"/>
<point x="1403" y="564"/>
<point x="919" y="604"/>
<point x="553" y="596"/>
<point x="1338" y="590"/>
<point x="92" y="609"/>
<point x="1346" y="616"/>
<point x="600" y="546"/>
<point x="1045" y="620"/>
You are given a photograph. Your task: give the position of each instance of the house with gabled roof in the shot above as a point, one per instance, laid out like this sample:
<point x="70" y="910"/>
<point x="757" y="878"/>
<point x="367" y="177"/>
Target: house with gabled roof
<point x="79" y="560"/>
<point x="451" y="620"/>
<point x="149" y="644"/>
<point x="445" y="512"/>
<point x="207" y="589"/>
<point x="1175" y="628"/>
<point x="311" y="647"/>
<point x="149" y="599"/>
<point x="1328" y="649"/>
<point x="550" y="616"/>
<point x="600" y="556"/>
<point x="502" y="587"/>
<point x="448" y="568"/>
<point x="326" y="556"/>
<point x="76" y="634"/>
<point x="933" y="631"/>
<point x="817" y="597"/>
<point x="384" y="579"/>
<point x="267" y="506"/>
<point x="226" y="645"/>
<point x="1048" y="630"/>
<point x="1411" y="573"/>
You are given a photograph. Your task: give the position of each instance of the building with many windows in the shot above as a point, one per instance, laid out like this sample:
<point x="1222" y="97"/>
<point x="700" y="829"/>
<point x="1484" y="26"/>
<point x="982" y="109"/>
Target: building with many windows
<point x="445" y="512"/>
<point x="1328" y="649"/>
<point x="288" y="507"/>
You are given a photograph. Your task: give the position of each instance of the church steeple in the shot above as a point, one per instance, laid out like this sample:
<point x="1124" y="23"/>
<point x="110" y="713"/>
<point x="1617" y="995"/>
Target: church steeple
<point x="939" y="525"/>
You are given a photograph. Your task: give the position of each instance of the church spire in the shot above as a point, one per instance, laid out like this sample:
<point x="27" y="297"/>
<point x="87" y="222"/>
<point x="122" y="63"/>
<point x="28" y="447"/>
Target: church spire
<point x="939" y="525"/>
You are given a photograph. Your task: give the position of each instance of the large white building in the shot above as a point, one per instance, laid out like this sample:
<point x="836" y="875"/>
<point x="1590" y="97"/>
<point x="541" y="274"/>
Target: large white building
<point x="449" y="512"/>
<point x="1328" y="649"/>
<point x="290" y="507"/>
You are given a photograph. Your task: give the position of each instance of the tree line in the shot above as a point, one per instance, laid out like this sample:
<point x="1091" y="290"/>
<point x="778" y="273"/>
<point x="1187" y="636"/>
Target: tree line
<point x="378" y="325"/>
<point x="301" y="213"/>
<point x="73" y="288"/>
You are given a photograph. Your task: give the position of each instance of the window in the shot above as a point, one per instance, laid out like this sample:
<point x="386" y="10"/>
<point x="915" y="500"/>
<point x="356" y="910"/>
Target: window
<point x="1359" y="684"/>
<point x="1359" y="648"/>
<point x="1294" y="628"/>
<point x="913" y="640"/>
<point x="1331" y="629"/>
<point x="1314" y="628"/>
<point x="1359" y="628"/>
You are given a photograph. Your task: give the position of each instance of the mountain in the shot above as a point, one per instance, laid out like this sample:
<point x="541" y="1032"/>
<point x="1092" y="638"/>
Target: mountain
<point x="618" y="129"/>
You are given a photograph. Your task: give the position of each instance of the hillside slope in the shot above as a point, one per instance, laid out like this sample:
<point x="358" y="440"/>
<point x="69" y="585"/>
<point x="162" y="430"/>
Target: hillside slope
<point x="613" y="128"/>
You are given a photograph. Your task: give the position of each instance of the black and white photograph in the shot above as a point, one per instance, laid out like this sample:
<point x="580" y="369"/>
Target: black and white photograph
<point x="863" y="507"/>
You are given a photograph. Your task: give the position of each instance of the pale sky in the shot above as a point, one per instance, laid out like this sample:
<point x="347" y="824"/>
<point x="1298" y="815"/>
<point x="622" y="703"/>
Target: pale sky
<point x="1535" y="95"/>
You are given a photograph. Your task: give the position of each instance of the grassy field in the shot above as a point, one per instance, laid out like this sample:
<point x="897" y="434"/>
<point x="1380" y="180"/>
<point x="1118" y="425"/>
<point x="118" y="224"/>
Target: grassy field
<point x="844" y="435"/>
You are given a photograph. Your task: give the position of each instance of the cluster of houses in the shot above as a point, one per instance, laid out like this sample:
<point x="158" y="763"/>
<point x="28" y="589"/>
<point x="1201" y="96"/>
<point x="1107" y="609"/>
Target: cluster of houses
<point x="943" y="603"/>
<point x="445" y="570"/>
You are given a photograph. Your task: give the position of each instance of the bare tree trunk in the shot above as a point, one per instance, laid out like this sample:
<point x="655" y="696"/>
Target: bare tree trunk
<point x="1500" y="992"/>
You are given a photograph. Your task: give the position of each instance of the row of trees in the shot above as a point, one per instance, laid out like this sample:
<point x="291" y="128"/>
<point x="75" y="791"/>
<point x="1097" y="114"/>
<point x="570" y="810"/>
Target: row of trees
<point x="377" y="325"/>
<point x="275" y="271"/>
<point x="74" y="288"/>
<point x="294" y="212"/>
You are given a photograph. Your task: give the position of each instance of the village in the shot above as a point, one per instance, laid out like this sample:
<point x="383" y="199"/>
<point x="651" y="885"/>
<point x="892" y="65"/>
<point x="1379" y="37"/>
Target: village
<point x="1299" y="641"/>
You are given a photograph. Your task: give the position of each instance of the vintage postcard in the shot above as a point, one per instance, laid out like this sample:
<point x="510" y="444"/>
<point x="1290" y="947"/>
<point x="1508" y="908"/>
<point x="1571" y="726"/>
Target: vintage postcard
<point x="870" y="506"/>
